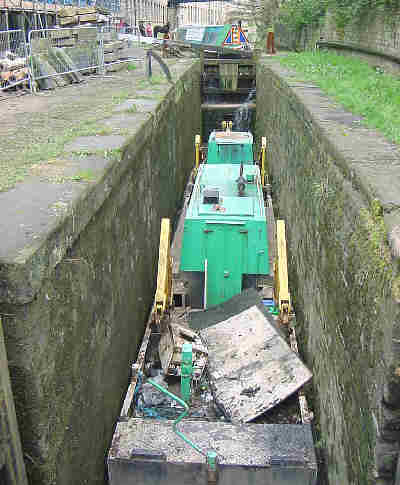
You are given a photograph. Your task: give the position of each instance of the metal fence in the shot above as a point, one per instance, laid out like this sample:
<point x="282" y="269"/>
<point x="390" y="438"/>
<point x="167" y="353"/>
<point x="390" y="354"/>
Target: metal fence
<point x="60" y="56"/>
<point x="14" y="71"/>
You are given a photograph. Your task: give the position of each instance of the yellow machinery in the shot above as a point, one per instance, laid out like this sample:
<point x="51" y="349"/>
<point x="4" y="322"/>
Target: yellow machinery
<point x="197" y="141"/>
<point x="281" y="290"/>
<point x="163" y="296"/>
<point x="264" y="175"/>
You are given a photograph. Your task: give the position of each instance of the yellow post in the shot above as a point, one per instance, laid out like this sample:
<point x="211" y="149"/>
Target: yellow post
<point x="197" y="142"/>
<point x="224" y="125"/>
<point x="281" y="292"/>
<point x="164" y="280"/>
<point x="263" y="149"/>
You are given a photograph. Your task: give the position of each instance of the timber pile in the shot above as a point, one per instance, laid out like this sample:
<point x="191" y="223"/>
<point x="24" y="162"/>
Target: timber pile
<point x="113" y="52"/>
<point x="13" y="71"/>
<point x="82" y="15"/>
<point x="70" y="52"/>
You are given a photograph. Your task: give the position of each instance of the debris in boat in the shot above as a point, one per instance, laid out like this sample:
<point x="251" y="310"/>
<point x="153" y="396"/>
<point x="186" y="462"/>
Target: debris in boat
<point x="151" y="396"/>
<point x="170" y="350"/>
<point x="251" y="367"/>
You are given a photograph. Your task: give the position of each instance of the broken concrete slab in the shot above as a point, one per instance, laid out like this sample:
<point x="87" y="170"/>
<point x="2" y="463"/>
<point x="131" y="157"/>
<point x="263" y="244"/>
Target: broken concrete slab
<point x="251" y="367"/>
<point x="227" y="309"/>
<point x="145" y="452"/>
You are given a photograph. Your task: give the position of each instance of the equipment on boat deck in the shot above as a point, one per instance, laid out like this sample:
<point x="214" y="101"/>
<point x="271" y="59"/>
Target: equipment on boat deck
<point x="225" y="234"/>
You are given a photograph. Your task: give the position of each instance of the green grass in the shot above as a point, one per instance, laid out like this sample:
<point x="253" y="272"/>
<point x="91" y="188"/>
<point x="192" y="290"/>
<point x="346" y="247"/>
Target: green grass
<point x="84" y="176"/>
<point x="354" y="84"/>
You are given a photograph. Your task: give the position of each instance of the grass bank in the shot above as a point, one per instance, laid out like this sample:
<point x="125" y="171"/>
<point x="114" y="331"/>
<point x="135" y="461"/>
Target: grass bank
<point x="354" y="84"/>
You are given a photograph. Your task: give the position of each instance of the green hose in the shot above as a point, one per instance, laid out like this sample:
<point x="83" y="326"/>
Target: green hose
<point x="179" y="419"/>
<point x="211" y="456"/>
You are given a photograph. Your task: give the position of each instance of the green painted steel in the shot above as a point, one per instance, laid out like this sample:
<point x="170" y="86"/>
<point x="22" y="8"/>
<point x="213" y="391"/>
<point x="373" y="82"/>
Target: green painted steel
<point x="180" y="417"/>
<point x="186" y="371"/>
<point x="236" y="148"/>
<point x="208" y="34"/>
<point x="227" y="230"/>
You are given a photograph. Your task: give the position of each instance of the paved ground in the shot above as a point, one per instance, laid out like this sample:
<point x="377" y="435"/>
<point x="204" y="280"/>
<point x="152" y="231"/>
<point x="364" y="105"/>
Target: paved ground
<point x="34" y="128"/>
<point x="55" y="143"/>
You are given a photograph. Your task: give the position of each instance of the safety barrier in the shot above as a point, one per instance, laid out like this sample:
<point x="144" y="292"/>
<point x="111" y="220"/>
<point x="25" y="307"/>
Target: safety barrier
<point x="61" y="56"/>
<point x="13" y="60"/>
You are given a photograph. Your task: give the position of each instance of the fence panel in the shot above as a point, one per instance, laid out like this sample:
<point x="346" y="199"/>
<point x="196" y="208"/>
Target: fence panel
<point x="118" y="49"/>
<point x="61" y="56"/>
<point x="14" y="70"/>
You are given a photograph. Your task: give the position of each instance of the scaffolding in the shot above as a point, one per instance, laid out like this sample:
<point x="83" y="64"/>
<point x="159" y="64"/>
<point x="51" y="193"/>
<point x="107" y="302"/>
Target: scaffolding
<point x="30" y="15"/>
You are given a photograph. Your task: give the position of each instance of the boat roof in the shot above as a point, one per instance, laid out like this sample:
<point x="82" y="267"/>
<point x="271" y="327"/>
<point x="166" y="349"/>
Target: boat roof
<point x="223" y="179"/>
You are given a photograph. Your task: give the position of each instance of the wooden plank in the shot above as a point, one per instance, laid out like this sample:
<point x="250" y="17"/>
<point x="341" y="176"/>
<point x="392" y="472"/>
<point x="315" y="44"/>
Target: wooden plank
<point x="306" y="415"/>
<point x="251" y="367"/>
<point x="113" y="46"/>
<point x="68" y="20"/>
<point x="110" y="57"/>
<point x="138" y="367"/>
<point x="88" y="17"/>
<point x="115" y="67"/>
<point x="67" y="12"/>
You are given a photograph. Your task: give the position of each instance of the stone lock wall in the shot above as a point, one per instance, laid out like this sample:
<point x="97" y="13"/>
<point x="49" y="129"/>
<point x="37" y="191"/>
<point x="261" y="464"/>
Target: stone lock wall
<point x="12" y="467"/>
<point x="72" y="329"/>
<point x="375" y="33"/>
<point x="334" y="183"/>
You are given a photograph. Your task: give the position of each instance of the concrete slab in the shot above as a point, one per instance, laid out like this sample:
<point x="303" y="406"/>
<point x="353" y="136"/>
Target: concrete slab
<point x="230" y="308"/>
<point x="127" y="104"/>
<point x="144" y="105"/>
<point x="251" y="367"/>
<point x="93" y="143"/>
<point x="32" y="208"/>
<point x="29" y="211"/>
<point x="125" y="120"/>
<point x="145" y="452"/>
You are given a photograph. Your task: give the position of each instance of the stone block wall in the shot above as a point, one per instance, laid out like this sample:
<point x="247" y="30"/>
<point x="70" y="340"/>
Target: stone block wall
<point x="12" y="467"/>
<point x="334" y="184"/>
<point x="377" y="32"/>
<point x="76" y="315"/>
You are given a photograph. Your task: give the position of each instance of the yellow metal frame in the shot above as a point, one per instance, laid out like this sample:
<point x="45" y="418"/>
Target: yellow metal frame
<point x="164" y="274"/>
<point x="281" y="292"/>
<point x="197" y="142"/>
<point x="263" y="162"/>
<point x="227" y="125"/>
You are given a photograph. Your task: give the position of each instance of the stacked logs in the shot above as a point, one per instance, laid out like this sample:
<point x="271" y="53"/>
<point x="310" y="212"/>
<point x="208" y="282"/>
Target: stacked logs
<point x="13" y="72"/>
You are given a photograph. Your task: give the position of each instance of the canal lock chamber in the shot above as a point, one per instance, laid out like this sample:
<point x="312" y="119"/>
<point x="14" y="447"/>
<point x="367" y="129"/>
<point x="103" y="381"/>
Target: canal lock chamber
<point x="73" y="314"/>
<point x="281" y="454"/>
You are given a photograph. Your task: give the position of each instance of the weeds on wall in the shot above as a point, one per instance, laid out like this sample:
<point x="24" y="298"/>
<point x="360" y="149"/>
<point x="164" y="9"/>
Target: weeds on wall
<point x="297" y="14"/>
